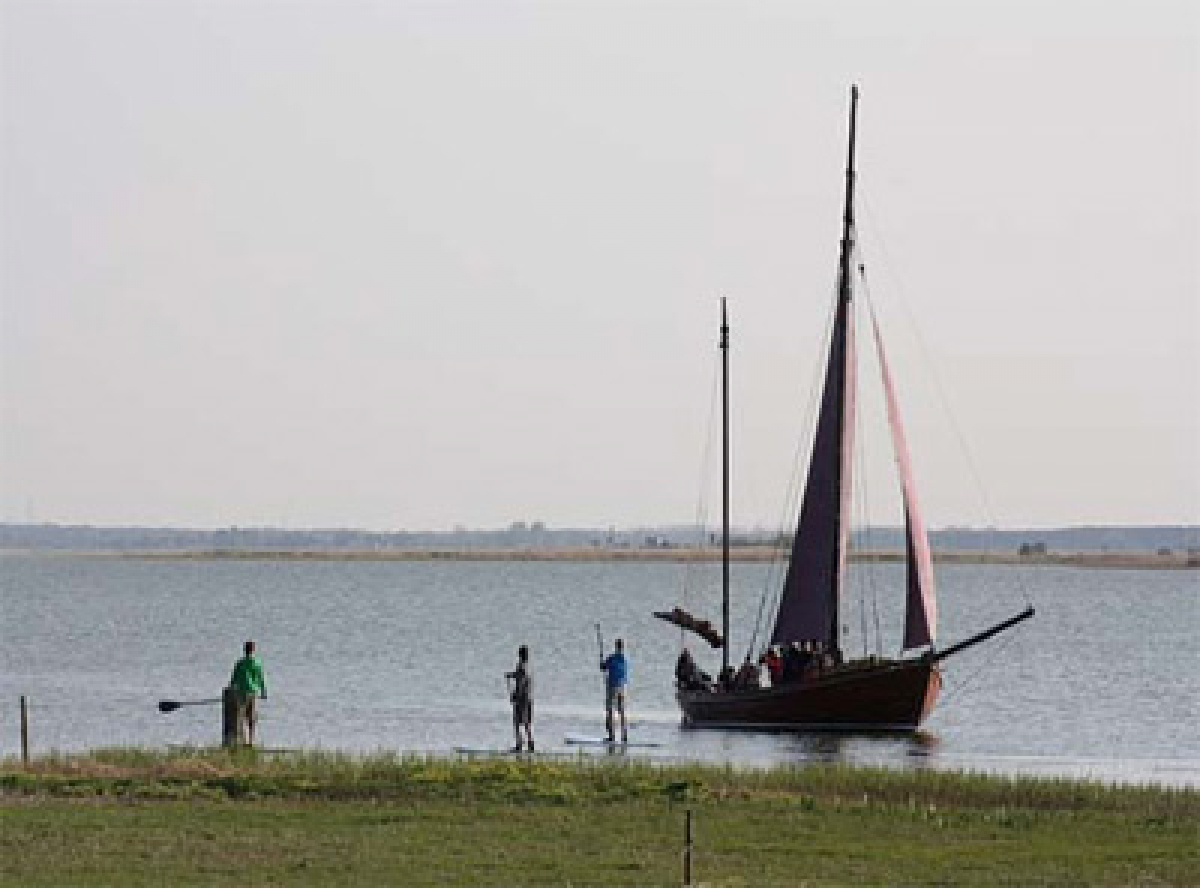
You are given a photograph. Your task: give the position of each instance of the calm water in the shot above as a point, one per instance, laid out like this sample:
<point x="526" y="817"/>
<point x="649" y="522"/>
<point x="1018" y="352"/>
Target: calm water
<point x="1104" y="682"/>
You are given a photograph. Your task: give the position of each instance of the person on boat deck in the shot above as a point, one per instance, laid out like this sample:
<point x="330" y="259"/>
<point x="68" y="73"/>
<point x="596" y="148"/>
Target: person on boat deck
<point x="810" y="662"/>
<point x="685" y="667"/>
<point x="522" y="698"/>
<point x="747" y="675"/>
<point x="774" y="664"/>
<point x="687" y="674"/>
<point x="725" y="679"/>
<point x="248" y="683"/>
<point x="616" y="677"/>
<point x="793" y="663"/>
<point x="822" y="657"/>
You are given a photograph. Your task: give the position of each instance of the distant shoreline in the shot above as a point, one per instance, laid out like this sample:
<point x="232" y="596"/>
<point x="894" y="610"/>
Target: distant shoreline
<point x="745" y="554"/>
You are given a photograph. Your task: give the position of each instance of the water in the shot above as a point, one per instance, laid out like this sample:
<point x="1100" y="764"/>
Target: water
<point x="1103" y="683"/>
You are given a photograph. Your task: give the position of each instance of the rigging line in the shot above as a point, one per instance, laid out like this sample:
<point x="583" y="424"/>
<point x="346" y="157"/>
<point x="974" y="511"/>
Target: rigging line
<point x="787" y="523"/>
<point x="985" y="664"/>
<point x="930" y="367"/>
<point x="866" y="569"/>
<point x="878" y="626"/>
<point x="692" y="566"/>
<point x="943" y="398"/>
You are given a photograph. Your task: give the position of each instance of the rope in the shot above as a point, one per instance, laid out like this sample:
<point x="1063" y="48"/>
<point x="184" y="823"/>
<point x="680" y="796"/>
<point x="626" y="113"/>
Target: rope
<point x="986" y="663"/>
<point x="943" y="400"/>
<point x="701" y="518"/>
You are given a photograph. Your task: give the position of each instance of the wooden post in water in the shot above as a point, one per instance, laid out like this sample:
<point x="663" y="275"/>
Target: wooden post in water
<point x="229" y="718"/>
<point x="687" y="850"/>
<point x="24" y="731"/>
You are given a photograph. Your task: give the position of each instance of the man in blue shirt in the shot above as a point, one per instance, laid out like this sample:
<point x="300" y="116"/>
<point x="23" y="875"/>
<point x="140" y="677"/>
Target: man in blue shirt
<point x="616" y="676"/>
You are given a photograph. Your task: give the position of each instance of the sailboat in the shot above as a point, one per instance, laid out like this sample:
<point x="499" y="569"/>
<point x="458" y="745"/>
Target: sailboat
<point x="831" y="692"/>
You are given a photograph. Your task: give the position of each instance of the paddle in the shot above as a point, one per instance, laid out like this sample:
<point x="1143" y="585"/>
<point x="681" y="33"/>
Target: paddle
<point x="599" y="642"/>
<point x="172" y="705"/>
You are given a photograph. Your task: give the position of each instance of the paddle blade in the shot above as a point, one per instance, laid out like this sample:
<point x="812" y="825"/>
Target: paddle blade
<point x="167" y="705"/>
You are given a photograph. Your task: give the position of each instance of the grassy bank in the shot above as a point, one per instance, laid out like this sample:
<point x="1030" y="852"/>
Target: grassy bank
<point x="134" y="817"/>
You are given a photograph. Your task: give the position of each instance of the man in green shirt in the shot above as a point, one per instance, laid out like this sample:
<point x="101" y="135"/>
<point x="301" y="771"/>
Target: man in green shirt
<point x="248" y="681"/>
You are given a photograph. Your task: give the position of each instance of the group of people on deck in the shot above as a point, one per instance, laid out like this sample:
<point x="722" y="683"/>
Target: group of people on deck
<point x="689" y="676"/>
<point x="783" y="664"/>
<point x="800" y="660"/>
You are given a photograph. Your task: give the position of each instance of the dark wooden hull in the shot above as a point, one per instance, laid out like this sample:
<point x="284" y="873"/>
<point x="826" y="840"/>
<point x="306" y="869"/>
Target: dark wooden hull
<point x="889" y="696"/>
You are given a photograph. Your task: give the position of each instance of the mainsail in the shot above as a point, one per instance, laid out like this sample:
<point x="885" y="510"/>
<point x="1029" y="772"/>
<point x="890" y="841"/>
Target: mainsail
<point x="808" y="603"/>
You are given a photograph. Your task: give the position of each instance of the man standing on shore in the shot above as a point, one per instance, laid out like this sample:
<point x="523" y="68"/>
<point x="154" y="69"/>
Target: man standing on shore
<point x="249" y="684"/>
<point x="616" y="676"/>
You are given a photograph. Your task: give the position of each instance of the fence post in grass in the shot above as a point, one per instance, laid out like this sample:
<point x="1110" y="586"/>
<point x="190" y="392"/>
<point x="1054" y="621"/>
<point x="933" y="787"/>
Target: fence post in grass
<point x="687" y="849"/>
<point x="24" y="731"/>
<point x="229" y="718"/>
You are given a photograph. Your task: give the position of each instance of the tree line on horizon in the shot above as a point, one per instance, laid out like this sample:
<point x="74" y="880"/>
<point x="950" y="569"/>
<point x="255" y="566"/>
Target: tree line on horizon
<point x="536" y="534"/>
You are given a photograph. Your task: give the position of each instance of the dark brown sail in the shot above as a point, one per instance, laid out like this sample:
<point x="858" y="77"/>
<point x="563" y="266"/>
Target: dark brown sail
<point x="808" y="604"/>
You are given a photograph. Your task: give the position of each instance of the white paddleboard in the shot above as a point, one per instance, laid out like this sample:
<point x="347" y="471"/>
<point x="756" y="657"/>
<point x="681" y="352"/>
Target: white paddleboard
<point x="272" y="750"/>
<point x="581" y="740"/>
<point x="485" y="750"/>
<point x="498" y="751"/>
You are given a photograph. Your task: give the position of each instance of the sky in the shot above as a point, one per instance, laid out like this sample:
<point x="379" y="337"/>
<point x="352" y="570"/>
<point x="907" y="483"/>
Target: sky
<point x="413" y="265"/>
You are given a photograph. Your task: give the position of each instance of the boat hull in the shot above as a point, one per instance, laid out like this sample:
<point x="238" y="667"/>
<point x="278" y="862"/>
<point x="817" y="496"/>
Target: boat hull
<point x="889" y="696"/>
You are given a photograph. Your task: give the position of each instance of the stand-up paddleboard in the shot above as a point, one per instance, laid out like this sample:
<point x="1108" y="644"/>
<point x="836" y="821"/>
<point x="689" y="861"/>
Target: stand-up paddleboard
<point x="487" y="750"/>
<point x="499" y="751"/>
<point x="582" y="740"/>
<point x="264" y="750"/>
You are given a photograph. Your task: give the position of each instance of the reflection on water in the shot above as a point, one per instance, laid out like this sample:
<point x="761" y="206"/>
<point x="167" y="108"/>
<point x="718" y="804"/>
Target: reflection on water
<point x="829" y="747"/>
<point x="411" y="656"/>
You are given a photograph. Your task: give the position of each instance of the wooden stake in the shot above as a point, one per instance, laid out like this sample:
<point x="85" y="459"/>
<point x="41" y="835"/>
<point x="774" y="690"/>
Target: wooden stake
<point x="229" y="718"/>
<point x="687" y="850"/>
<point x="24" y="731"/>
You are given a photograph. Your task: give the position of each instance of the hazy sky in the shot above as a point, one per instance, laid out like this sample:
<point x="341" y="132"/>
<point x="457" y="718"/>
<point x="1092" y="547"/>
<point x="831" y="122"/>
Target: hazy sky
<point x="411" y="265"/>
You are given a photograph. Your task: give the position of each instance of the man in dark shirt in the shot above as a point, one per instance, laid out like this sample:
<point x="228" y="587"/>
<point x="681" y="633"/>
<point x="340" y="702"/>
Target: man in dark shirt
<point x="687" y="674"/>
<point x="522" y="699"/>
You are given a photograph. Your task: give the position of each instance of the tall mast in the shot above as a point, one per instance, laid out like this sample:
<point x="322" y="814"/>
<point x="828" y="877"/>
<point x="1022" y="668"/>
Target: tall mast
<point x="724" y="487"/>
<point x="845" y="261"/>
<point x="848" y="209"/>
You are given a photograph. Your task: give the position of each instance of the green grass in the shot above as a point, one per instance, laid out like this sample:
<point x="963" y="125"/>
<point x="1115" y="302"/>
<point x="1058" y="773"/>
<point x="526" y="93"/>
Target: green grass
<point x="130" y="817"/>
